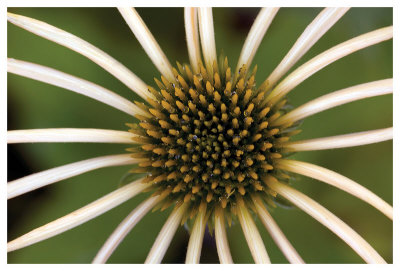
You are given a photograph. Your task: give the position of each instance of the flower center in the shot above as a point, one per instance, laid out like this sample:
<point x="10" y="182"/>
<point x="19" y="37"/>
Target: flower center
<point x="209" y="138"/>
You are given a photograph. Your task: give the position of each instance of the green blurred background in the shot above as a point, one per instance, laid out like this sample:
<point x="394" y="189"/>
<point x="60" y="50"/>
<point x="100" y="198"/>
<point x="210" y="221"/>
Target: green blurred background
<point x="34" y="104"/>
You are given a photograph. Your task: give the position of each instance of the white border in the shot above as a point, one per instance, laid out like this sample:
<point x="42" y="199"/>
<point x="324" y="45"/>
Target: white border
<point x="217" y="3"/>
<point x="396" y="134"/>
<point x="201" y="3"/>
<point x="3" y="134"/>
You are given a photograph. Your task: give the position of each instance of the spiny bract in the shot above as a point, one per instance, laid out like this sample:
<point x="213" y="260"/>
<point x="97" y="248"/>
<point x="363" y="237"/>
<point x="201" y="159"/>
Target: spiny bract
<point x="209" y="137"/>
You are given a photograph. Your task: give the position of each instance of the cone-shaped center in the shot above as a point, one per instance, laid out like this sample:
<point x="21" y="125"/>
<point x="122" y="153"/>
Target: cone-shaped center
<point x="209" y="137"/>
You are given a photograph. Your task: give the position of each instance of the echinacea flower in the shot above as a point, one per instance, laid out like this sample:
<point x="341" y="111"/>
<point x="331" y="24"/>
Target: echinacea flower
<point x="209" y="140"/>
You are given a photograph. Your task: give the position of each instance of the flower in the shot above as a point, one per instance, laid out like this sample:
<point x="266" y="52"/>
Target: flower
<point x="211" y="142"/>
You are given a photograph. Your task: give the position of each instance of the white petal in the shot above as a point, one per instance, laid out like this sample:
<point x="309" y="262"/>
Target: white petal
<point x="84" y="48"/>
<point x="207" y="38"/>
<point x="221" y="239"/>
<point x="339" y="97"/>
<point x="149" y="44"/>
<point x="196" y="237"/>
<point x="327" y="57"/>
<point x="75" y="84"/>
<point x="192" y="38"/>
<point x="252" y="235"/>
<point x="340" y="141"/>
<point x="255" y="36"/>
<point x="314" y="31"/>
<point x="69" y="135"/>
<point x="329" y="220"/>
<point x="79" y="216"/>
<point x="337" y="180"/>
<point x="276" y="233"/>
<point x="124" y="228"/>
<point x="164" y="238"/>
<point x="40" y="179"/>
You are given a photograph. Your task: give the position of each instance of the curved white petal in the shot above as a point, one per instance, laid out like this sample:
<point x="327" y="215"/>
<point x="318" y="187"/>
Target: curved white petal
<point x="314" y="31"/>
<point x="124" y="228"/>
<point x="337" y="180"/>
<point x="327" y="57"/>
<point x="164" y="238"/>
<point x="276" y="233"/>
<point x="196" y="237"/>
<point x="253" y="238"/>
<point x="84" y="48"/>
<point x="255" y="36"/>
<point x="75" y="84"/>
<point x="221" y="239"/>
<point x="207" y="38"/>
<point x="340" y="141"/>
<point x="339" y="97"/>
<point x="79" y="216"/>
<point x="329" y="220"/>
<point x="40" y="179"/>
<point x="149" y="44"/>
<point x="69" y="135"/>
<point x="192" y="38"/>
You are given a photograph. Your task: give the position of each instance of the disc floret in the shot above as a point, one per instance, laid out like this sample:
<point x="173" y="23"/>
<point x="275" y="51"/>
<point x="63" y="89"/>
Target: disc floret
<point x="209" y="138"/>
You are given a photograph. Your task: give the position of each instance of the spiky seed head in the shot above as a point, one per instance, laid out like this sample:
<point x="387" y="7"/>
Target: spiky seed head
<point x="209" y="140"/>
